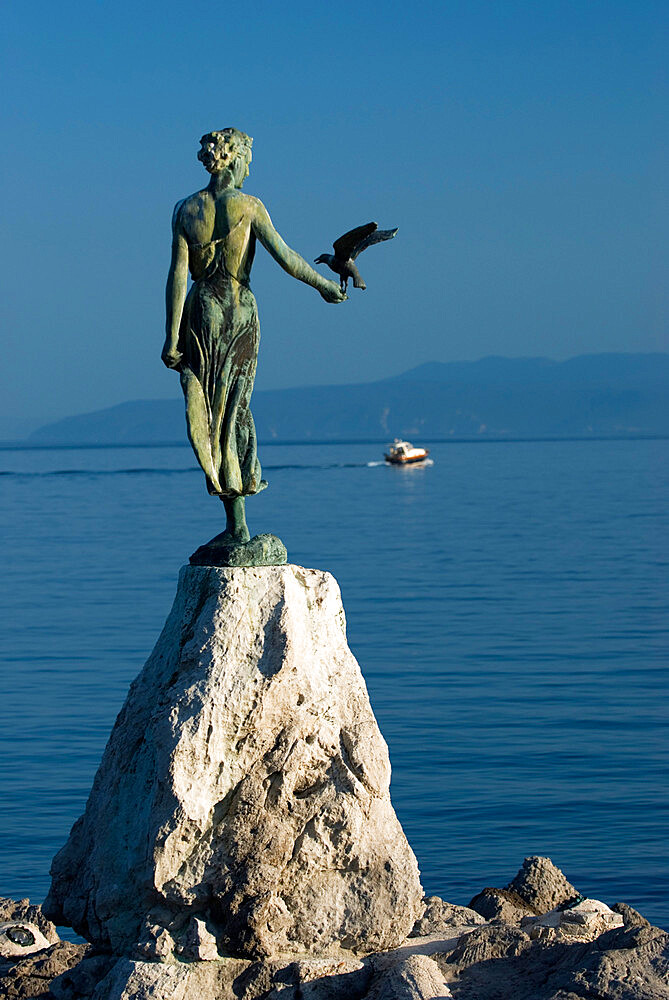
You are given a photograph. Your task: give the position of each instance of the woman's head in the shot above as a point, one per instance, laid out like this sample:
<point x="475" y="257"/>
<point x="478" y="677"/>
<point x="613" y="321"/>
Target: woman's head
<point x="228" y="149"/>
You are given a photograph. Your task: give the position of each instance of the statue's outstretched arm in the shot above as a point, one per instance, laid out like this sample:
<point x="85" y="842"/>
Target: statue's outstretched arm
<point x="289" y="260"/>
<point x="175" y="294"/>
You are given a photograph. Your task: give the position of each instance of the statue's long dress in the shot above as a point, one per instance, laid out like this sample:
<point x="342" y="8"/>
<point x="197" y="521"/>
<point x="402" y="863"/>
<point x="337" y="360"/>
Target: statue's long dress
<point x="219" y="338"/>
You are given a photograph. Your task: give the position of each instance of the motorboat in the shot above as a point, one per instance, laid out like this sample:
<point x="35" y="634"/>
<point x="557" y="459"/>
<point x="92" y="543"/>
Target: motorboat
<point x="404" y="453"/>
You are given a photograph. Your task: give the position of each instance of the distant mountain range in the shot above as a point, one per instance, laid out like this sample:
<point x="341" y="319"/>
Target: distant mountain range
<point x="595" y="395"/>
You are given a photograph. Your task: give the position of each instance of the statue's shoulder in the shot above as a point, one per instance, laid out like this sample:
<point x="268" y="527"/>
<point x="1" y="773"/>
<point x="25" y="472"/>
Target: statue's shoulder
<point x="188" y="207"/>
<point x="251" y="204"/>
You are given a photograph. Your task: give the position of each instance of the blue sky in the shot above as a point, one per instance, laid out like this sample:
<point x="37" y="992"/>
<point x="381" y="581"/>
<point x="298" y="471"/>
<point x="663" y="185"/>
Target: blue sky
<point x="520" y="148"/>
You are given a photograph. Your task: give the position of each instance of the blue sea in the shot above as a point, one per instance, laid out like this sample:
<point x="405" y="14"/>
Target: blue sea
<point x="507" y="604"/>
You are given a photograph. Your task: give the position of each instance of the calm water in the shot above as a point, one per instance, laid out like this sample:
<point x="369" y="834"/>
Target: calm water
<point x="507" y="605"/>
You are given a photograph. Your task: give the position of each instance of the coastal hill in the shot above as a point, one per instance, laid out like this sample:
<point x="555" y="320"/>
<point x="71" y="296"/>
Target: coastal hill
<point x="596" y="395"/>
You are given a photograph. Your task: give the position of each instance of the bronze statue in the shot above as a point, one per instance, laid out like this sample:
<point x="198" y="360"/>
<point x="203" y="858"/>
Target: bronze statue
<point x="212" y="333"/>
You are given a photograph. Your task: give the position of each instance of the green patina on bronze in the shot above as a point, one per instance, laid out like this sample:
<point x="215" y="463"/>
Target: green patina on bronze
<point x="212" y="331"/>
<point x="261" y="550"/>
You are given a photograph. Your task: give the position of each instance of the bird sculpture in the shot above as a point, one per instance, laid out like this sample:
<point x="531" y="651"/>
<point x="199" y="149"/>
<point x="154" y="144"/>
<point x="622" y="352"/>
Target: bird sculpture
<point x="348" y="247"/>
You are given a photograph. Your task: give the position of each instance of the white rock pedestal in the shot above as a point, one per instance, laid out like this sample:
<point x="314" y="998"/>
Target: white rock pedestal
<point x="242" y="805"/>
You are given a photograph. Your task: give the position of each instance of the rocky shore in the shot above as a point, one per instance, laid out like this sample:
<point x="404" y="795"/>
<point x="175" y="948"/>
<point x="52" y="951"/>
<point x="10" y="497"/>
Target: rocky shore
<point x="239" y="841"/>
<point x="534" y="939"/>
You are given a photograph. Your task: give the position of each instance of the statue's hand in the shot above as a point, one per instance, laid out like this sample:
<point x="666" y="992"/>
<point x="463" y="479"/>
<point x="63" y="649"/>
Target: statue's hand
<point x="333" y="293"/>
<point x="170" y="356"/>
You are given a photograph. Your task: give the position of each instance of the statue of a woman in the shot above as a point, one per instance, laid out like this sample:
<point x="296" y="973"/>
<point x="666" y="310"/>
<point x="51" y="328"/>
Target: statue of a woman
<point x="212" y="332"/>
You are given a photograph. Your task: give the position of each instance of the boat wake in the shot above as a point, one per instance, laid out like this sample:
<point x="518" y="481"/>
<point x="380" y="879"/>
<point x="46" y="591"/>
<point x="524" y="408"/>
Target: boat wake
<point x="408" y="465"/>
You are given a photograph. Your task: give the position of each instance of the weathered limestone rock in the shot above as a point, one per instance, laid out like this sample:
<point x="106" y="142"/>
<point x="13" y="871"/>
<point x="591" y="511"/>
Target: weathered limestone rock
<point x="33" y="976"/>
<point x="200" y="942"/>
<point x="583" y="922"/>
<point x="631" y="917"/>
<point x="501" y="904"/>
<point x="80" y="980"/>
<point x="483" y="944"/>
<point x="441" y="916"/>
<point x="156" y="944"/>
<point x="485" y="962"/>
<point x="541" y="885"/>
<point x="321" y="979"/>
<point x="415" y="978"/>
<point x="245" y="786"/>
<point x="537" y="888"/>
<point x="128" y="980"/>
<point x="568" y="953"/>
<point x="228" y="979"/>
<point x="627" y="963"/>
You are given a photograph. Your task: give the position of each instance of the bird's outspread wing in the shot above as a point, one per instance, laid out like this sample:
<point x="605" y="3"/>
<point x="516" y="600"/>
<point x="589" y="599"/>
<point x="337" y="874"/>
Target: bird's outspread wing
<point x="348" y="245"/>
<point x="378" y="236"/>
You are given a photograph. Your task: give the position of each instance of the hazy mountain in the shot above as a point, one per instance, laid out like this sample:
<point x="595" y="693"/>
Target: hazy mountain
<point x="589" y="396"/>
